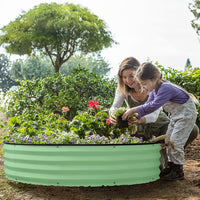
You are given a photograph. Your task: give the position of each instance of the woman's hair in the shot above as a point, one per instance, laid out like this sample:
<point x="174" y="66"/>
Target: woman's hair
<point x="127" y="63"/>
<point x="148" y="71"/>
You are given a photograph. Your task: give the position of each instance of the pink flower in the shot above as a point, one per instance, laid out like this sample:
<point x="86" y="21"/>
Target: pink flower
<point x="65" y="109"/>
<point x="93" y="104"/>
<point x="108" y="122"/>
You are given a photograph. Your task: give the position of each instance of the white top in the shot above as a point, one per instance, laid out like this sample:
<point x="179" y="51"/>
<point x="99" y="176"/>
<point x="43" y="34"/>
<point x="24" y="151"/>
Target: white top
<point x="118" y="102"/>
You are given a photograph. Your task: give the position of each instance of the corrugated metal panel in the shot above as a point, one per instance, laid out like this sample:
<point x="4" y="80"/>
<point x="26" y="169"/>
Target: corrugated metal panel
<point x="83" y="165"/>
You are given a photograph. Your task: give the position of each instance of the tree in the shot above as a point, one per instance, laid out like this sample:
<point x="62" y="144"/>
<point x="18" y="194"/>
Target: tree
<point x="195" y="8"/>
<point x="56" y="30"/>
<point x="32" y="67"/>
<point x="40" y="67"/>
<point x="188" y="63"/>
<point x="5" y="81"/>
<point x="93" y="63"/>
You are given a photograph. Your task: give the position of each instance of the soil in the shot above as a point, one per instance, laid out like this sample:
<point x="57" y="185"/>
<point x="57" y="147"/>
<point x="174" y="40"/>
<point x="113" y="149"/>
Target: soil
<point x="189" y="188"/>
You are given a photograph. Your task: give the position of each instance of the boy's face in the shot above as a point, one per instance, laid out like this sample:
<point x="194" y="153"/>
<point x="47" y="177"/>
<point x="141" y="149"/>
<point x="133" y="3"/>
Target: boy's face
<point x="149" y="84"/>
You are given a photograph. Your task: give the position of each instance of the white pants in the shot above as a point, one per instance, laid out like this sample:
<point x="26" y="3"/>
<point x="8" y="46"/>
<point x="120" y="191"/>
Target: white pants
<point x="182" y="120"/>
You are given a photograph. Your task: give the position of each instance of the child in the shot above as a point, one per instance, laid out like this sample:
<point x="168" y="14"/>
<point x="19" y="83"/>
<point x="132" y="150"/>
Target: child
<point x="181" y="109"/>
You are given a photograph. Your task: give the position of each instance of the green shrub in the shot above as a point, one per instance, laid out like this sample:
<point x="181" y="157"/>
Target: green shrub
<point x="52" y="93"/>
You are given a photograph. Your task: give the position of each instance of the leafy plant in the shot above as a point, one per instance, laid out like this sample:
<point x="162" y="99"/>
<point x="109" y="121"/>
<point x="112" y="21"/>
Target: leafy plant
<point x="118" y="114"/>
<point x="91" y="127"/>
<point x="52" y="93"/>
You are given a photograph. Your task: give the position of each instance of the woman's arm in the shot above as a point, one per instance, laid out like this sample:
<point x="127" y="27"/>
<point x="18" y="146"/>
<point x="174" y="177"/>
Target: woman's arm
<point x="118" y="101"/>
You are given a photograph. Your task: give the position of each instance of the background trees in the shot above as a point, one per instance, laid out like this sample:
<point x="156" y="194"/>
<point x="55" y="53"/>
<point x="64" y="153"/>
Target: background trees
<point x="5" y="80"/>
<point x="40" y="66"/>
<point x="56" y="30"/>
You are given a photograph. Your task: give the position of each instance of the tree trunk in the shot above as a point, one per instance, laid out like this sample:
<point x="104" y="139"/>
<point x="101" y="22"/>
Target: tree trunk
<point x="58" y="64"/>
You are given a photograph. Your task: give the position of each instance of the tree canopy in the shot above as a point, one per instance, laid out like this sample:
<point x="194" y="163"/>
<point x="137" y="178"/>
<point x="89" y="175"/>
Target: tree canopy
<point x="56" y="30"/>
<point x="195" y="8"/>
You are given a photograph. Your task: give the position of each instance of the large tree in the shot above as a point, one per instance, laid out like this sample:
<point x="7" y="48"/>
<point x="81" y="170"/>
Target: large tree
<point x="195" y="9"/>
<point x="56" y="30"/>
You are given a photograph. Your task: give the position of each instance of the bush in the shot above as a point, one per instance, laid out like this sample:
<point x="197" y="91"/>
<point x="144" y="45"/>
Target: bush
<point x="54" y="92"/>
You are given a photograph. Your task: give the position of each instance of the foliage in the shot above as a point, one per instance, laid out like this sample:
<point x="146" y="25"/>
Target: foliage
<point x="5" y="80"/>
<point x="119" y="112"/>
<point x="194" y="8"/>
<point x="52" y="93"/>
<point x="56" y="30"/>
<point x="89" y="127"/>
<point x="93" y="63"/>
<point x="40" y="66"/>
<point x="95" y="122"/>
<point x="189" y="79"/>
<point x="31" y="67"/>
<point x="38" y="128"/>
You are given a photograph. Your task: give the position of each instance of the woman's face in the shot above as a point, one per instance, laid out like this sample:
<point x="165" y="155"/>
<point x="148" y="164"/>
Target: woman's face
<point x="128" y="77"/>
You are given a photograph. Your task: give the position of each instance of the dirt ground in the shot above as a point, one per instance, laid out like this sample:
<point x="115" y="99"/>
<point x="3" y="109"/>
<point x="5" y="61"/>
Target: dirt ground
<point x="158" y="190"/>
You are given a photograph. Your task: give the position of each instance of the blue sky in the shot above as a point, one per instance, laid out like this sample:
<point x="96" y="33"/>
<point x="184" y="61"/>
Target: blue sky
<point x="158" y="29"/>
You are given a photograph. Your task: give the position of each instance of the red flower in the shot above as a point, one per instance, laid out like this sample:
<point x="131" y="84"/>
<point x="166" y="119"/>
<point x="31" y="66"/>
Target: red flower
<point x="93" y="104"/>
<point x="65" y="109"/>
<point x="108" y="122"/>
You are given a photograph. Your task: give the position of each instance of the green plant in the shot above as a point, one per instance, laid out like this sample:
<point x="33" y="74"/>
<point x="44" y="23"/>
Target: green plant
<point x="52" y="93"/>
<point x="88" y="127"/>
<point x="118" y="114"/>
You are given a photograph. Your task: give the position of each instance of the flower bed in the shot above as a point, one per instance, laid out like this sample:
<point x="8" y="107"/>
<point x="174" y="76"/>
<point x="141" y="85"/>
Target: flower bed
<point x="49" y="149"/>
<point x="91" y="127"/>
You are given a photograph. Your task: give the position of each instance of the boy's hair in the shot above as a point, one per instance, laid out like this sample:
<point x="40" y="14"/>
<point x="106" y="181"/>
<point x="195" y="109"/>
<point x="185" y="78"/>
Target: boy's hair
<point x="127" y="63"/>
<point x="148" y="71"/>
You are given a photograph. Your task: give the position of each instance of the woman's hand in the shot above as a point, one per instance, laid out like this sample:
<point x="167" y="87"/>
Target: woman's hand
<point x="128" y="113"/>
<point x="113" y="119"/>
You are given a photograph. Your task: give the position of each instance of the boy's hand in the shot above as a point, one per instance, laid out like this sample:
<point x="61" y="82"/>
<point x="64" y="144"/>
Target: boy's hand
<point x="128" y="113"/>
<point x="134" y="120"/>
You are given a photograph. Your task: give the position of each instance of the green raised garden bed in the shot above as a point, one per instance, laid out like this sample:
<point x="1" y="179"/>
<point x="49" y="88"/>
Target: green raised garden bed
<point x="82" y="165"/>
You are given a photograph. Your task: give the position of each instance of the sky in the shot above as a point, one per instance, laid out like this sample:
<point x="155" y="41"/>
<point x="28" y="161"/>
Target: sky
<point x="155" y="30"/>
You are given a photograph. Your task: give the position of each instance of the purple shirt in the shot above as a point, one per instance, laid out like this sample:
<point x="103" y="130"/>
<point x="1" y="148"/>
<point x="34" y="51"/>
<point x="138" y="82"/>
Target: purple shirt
<point x="157" y="98"/>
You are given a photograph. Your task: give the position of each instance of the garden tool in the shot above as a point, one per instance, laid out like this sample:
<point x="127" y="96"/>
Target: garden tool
<point x="159" y="138"/>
